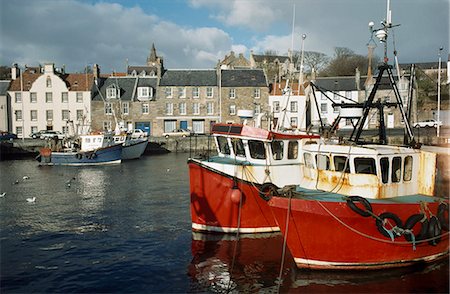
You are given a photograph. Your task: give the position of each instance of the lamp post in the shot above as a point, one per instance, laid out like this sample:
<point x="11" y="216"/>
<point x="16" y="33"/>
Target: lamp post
<point x="439" y="94"/>
<point x="300" y="76"/>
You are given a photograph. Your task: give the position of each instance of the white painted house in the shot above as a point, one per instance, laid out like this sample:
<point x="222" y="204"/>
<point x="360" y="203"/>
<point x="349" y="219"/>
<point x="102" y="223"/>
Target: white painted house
<point x="44" y="98"/>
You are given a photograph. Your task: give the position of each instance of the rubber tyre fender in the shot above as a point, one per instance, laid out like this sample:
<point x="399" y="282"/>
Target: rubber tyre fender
<point x="351" y="203"/>
<point x="434" y="231"/>
<point x="391" y="216"/>
<point x="411" y="222"/>
<point x="267" y="190"/>
<point x="79" y="156"/>
<point x="442" y="209"/>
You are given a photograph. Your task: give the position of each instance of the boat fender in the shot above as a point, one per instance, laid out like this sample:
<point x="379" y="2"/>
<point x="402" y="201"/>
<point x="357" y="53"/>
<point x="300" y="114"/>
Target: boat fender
<point x="411" y="222"/>
<point x="94" y="155"/>
<point x="351" y="203"/>
<point x="267" y="190"/>
<point x="434" y="231"/>
<point x="79" y="156"/>
<point x="390" y="233"/>
<point x="441" y="214"/>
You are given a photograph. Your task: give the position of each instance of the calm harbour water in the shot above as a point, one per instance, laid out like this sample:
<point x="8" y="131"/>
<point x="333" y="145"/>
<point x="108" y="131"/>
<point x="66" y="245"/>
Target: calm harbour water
<point x="126" y="229"/>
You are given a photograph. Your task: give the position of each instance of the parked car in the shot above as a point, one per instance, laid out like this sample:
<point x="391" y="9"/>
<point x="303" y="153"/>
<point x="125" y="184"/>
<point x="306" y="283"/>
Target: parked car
<point x="37" y="135"/>
<point x="7" y="135"/>
<point x="430" y="123"/>
<point x="137" y="133"/>
<point x="178" y="133"/>
<point x="51" y="135"/>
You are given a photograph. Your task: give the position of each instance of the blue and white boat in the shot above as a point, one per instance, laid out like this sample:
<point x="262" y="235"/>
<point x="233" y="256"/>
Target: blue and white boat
<point x="132" y="148"/>
<point x="93" y="149"/>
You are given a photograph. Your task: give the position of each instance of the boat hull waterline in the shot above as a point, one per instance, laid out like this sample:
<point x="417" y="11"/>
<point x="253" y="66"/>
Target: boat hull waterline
<point x="327" y="234"/>
<point x="214" y="208"/>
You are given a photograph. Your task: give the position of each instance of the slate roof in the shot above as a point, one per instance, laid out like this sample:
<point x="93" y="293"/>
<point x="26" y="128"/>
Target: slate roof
<point x="270" y="58"/>
<point x="139" y="69"/>
<point x="127" y="85"/>
<point x="338" y="83"/>
<point x="243" y="78"/>
<point x="4" y="85"/>
<point x="189" y="78"/>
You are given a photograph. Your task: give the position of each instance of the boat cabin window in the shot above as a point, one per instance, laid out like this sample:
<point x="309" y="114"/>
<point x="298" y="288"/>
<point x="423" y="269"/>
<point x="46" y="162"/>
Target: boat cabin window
<point x="292" y="150"/>
<point x="309" y="160"/>
<point x="277" y="150"/>
<point x="323" y="161"/>
<point x="238" y="147"/>
<point x="407" y="172"/>
<point x="341" y="163"/>
<point x="396" y="169"/>
<point x="364" y="165"/>
<point x="222" y="142"/>
<point x="257" y="149"/>
<point x="384" y="164"/>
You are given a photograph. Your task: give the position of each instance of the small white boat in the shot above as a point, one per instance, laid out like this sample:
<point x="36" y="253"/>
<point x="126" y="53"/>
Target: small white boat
<point x="132" y="148"/>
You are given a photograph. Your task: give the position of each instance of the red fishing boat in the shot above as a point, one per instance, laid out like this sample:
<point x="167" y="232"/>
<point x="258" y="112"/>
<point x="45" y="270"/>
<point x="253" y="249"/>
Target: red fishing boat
<point x="225" y="189"/>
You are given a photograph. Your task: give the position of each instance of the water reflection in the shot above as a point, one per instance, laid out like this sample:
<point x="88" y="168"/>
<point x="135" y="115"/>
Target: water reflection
<point x="91" y="186"/>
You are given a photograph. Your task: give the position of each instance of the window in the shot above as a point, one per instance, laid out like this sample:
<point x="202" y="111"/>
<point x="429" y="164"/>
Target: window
<point x="108" y="108"/>
<point x="168" y="92"/>
<point x="276" y="106"/>
<point x="341" y="163"/>
<point x="335" y="96"/>
<point x="384" y="165"/>
<point x="64" y="97"/>
<point x="210" y="108"/>
<point x="145" y="108"/>
<point x="80" y="114"/>
<point x="182" y="108"/>
<point x="170" y="125"/>
<point x="49" y="114"/>
<point x="19" y="131"/>
<point x="232" y="109"/>
<point x="257" y="93"/>
<point x="145" y="92"/>
<point x="18" y="97"/>
<point x="309" y="160"/>
<point x="257" y="149"/>
<point x="196" y="108"/>
<point x="294" y="106"/>
<point x="323" y="108"/>
<point x="111" y="92"/>
<point x="257" y="109"/>
<point x="294" y="122"/>
<point x="125" y="108"/>
<point x="277" y="150"/>
<point x="238" y="147"/>
<point x="65" y="129"/>
<point x="408" y="165"/>
<point x="336" y="109"/>
<point x="34" y="129"/>
<point x="198" y="126"/>
<point x="79" y="97"/>
<point x="365" y="165"/>
<point x="182" y="92"/>
<point x="209" y="92"/>
<point x="169" y="108"/>
<point x="65" y="114"/>
<point x="195" y="92"/>
<point x="33" y="115"/>
<point x="33" y="97"/>
<point x="396" y="169"/>
<point x="107" y="125"/>
<point x="292" y="150"/>
<point x="18" y="115"/>
<point x="222" y="142"/>
<point x="348" y="94"/>
<point x="48" y="97"/>
<point x="323" y="162"/>
<point x="232" y="93"/>
<point x="49" y="82"/>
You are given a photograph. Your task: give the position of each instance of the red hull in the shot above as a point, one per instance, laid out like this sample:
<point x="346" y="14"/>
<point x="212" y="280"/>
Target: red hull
<point x="213" y="209"/>
<point x="329" y="235"/>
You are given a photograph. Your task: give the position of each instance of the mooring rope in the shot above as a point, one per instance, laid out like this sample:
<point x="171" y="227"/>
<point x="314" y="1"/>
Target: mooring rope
<point x="283" y="254"/>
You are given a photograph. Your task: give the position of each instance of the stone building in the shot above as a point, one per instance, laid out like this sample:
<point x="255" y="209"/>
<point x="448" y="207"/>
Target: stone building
<point x="4" y="106"/>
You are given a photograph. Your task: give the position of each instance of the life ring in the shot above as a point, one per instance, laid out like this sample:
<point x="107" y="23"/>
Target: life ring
<point x="434" y="231"/>
<point x="267" y="190"/>
<point x="79" y="156"/>
<point x="351" y="203"/>
<point x="442" y="209"/>
<point x="380" y="224"/>
<point x="412" y="221"/>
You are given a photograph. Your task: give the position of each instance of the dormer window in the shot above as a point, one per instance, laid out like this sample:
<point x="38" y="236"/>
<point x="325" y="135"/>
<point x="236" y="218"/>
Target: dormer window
<point x="145" y="92"/>
<point x="134" y="73"/>
<point x="111" y="92"/>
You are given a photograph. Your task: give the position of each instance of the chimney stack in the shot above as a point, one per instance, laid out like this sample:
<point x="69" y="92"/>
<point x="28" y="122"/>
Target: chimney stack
<point x="15" y="71"/>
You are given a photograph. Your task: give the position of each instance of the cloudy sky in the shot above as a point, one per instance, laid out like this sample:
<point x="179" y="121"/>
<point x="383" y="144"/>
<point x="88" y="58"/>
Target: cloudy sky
<point x="196" y="33"/>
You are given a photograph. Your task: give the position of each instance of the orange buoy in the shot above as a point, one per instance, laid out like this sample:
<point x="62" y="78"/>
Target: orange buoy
<point x="45" y="152"/>
<point x="235" y="195"/>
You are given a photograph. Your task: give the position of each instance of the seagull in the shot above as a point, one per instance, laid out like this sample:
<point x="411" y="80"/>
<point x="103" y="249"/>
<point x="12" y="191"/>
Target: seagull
<point x="3" y="194"/>
<point x="16" y="182"/>
<point x="25" y="177"/>
<point x="31" y="200"/>
<point x="168" y="170"/>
